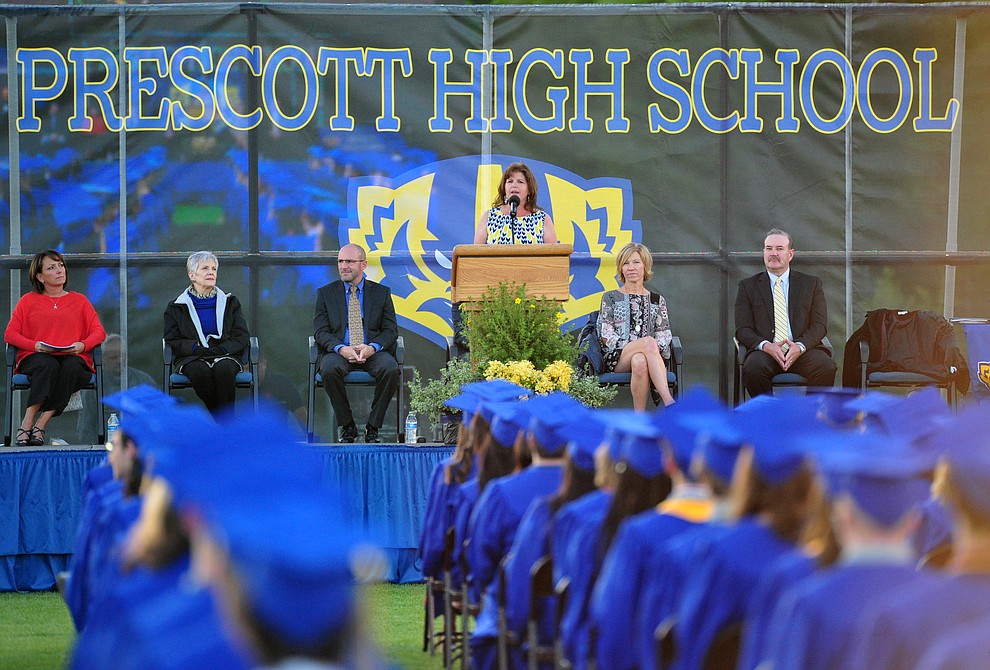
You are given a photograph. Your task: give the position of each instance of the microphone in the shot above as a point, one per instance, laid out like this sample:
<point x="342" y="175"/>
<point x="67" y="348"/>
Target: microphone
<point x="513" y="204"/>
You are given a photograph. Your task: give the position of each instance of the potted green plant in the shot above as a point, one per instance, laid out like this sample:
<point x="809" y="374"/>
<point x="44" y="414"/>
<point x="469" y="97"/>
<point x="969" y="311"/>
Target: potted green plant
<point x="519" y="339"/>
<point x="510" y="337"/>
<point x="427" y="397"/>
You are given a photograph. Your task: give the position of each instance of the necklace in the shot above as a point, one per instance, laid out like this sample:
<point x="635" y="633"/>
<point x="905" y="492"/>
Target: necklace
<point x="55" y="301"/>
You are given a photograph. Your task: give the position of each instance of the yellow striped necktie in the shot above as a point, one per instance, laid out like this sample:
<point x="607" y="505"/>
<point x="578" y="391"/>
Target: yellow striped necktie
<point x="779" y="313"/>
<point x="355" y="322"/>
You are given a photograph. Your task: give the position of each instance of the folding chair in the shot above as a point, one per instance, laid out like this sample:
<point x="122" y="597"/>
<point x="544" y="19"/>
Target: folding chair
<point x="723" y="652"/>
<point x="468" y="609"/>
<point x="562" y="589"/>
<point x="21" y="382"/>
<point x="540" y="589"/>
<point x="675" y="371"/>
<point x="355" y="378"/>
<point x="438" y="587"/>
<point x="245" y="379"/>
<point x="901" y="379"/>
<point x="507" y="639"/>
<point x="784" y="379"/>
<point x="666" y="642"/>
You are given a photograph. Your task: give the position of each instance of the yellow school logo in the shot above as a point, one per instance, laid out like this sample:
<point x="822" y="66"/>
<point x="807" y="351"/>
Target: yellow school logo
<point x="985" y="373"/>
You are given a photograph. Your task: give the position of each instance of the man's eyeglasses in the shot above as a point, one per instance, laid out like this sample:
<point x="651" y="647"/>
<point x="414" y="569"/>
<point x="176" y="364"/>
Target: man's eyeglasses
<point x="347" y="261"/>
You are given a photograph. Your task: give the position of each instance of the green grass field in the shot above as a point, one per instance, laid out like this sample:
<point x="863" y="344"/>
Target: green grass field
<point x="36" y="632"/>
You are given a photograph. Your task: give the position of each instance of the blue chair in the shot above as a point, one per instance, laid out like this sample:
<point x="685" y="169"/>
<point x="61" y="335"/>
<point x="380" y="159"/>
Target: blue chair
<point x="784" y="379"/>
<point x="245" y="379"/>
<point x="21" y="382"/>
<point x="675" y="371"/>
<point x="902" y="378"/>
<point x="355" y="378"/>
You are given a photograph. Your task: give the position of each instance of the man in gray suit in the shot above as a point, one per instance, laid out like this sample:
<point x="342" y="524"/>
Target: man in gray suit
<point x="342" y="351"/>
<point x="781" y="319"/>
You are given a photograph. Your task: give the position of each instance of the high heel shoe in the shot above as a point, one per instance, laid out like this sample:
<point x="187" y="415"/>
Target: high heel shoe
<point x="24" y="437"/>
<point x="37" y="437"/>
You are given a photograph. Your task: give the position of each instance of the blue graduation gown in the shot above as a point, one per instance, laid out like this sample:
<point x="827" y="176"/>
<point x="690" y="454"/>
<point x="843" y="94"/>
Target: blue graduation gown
<point x="460" y="506"/>
<point x="116" y="521"/>
<point x="662" y="587"/>
<point x="180" y="628"/>
<point x="436" y="520"/>
<point x="782" y="575"/>
<point x="111" y="634"/>
<point x="719" y="588"/>
<point x="78" y="588"/>
<point x="532" y="543"/>
<point x="497" y="514"/>
<point x="816" y="621"/>
<point x="615" y="598"/>
<point x="575" y="556"/>
<point x="934" y="528"/>
<point x="95" y="479"/>
<point x="967" y="648"/>
<point x="898" y="628"/>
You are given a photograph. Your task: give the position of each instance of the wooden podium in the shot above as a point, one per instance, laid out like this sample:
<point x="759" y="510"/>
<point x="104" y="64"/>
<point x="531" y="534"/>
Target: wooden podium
<point x="544" y="269"/>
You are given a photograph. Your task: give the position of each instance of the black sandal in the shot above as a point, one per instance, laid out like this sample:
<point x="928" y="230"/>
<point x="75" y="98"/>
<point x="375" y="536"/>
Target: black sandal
<point x="37" y="437"/>
<point x="24" y="437"/>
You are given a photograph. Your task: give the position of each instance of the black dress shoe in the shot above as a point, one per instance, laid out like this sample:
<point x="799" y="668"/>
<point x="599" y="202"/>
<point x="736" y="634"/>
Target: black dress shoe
<point x="348" y="434"/>
<point x="371" y="435"/>
<point x="655" y="396"/>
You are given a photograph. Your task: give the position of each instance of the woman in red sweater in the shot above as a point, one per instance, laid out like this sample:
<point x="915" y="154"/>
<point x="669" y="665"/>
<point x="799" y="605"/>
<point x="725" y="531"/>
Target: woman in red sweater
<point x="55" y="331"/>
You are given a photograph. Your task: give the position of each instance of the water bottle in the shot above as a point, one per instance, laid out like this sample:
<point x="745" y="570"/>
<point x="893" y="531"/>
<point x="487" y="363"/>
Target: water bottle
<point x="411" y="428"/>
<point x="112" y="424"/>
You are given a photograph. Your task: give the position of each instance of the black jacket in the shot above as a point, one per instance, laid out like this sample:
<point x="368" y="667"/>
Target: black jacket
<point x="906" y="341"/>
<point x="183" y="333"/>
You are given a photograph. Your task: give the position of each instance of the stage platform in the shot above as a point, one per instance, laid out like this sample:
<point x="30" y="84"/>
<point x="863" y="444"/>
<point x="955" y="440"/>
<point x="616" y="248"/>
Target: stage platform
<point x="41" y="489"/>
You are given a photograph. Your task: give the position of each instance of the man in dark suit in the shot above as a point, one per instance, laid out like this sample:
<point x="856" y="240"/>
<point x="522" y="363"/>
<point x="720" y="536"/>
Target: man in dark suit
<point x="338" y="304"/>
<point x="781" y="319"/>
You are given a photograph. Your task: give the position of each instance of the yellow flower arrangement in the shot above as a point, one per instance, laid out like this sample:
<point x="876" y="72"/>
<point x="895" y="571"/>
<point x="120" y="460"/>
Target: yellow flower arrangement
<point x="518" y="338"/>
<point x="554" y="377"/>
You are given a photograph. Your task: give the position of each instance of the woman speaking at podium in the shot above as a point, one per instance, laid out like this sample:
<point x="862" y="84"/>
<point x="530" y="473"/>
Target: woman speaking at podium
<point x="515" y="218"/>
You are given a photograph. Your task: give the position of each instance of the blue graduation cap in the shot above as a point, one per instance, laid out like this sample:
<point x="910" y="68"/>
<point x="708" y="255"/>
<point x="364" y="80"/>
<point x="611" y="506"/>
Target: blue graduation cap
<point x="834" y="410"/>
<point x="494" y="390"/>
<point x="507" y="420"/>
<point x="548" y="413"/>
<point x="467" y="402"/>
<point x="718" y="438"/>
<point x="968" y="454"/>
<point x="643" y="454"/>
<point x="583" y="436"/>
<point x="884" y="476"/>
<point x="633" y="438"/>
<point x="294" y="564"/>
<point x="621" y="422"/>
<point x="913" y="416"/>
<point x="681" y="434"/>
<point x="775" y="429"/>
<point x="139" y="400"/>
<point x="235" y="459"/>
<point x="497" y="389"/>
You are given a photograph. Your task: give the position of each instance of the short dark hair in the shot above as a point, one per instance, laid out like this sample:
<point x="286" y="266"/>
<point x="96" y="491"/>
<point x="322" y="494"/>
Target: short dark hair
<point x="36" y="267"/>
<point x="778" y="231"/>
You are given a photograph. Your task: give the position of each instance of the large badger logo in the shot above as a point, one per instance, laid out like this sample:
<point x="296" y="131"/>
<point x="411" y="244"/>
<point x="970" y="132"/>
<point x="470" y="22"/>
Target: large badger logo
<point x="410" y="225"/>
